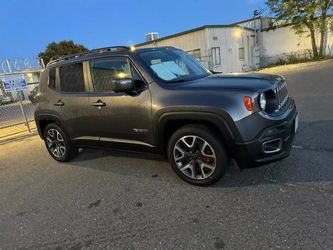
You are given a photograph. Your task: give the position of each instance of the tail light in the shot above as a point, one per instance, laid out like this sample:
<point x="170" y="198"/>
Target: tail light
<point x="248" y="103"/>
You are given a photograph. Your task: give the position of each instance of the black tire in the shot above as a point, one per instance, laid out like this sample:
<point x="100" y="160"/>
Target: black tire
<point x="204" y="133"/>
<point x="70" y="150"/>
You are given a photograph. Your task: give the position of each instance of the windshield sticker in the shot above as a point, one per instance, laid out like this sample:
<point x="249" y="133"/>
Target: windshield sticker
<point x="155" y="61"/>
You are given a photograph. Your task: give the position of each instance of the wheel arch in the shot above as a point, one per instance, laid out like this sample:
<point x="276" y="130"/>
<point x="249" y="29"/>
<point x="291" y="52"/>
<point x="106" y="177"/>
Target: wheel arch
<point x="42" y="120"/>
<point x="169" y="122"/>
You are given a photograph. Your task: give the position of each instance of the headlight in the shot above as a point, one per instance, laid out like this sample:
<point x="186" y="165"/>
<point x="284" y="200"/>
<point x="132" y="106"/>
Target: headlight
<point x="262" y="101"/>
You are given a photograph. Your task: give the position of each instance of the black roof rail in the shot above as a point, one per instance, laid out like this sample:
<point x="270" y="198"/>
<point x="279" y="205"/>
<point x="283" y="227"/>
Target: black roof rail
<point x="90" y="52"/>
<point x="65" y="57"/>
<point x="109" y="49"/>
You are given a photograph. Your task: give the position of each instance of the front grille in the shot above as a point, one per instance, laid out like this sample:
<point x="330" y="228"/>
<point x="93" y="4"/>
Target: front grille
<point x="281" y="95"/>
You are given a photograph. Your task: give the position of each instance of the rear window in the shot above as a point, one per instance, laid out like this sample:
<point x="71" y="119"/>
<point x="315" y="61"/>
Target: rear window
<point x="71" y="78"/>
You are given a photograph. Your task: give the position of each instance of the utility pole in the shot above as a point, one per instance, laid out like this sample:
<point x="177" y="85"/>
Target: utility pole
<point x="256" y="63"/>
<point x="255" y="14"/>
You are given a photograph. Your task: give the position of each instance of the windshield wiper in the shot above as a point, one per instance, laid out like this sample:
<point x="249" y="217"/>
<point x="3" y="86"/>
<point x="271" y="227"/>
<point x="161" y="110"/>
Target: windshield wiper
<point x="177" y="80"/>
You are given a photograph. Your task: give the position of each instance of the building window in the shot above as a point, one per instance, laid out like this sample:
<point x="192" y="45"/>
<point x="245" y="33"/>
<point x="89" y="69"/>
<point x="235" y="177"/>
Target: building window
<point x="241" y="54"/>
<point x="195" y="53"/>
<point x="216" y="56"/>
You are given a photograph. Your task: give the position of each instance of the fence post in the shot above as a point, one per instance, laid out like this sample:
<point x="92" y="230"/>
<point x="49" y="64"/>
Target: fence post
<point x="20" y="102"/>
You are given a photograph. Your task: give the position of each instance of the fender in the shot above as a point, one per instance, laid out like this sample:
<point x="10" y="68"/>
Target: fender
<point x="225" y="125"/>
<point x="39" y="117"/>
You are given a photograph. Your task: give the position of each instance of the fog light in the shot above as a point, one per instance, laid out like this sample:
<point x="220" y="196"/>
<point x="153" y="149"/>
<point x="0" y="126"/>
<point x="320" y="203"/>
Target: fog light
<point x="272" y="146"/>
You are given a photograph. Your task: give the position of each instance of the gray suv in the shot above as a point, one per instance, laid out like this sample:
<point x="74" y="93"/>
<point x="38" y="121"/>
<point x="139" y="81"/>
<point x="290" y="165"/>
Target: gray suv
<point x="164" y="101"/>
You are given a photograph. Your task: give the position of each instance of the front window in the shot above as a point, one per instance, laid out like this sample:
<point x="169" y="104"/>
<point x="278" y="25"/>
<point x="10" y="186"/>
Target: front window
<point x="103" y="71"/>
<point x="173" y="65"/>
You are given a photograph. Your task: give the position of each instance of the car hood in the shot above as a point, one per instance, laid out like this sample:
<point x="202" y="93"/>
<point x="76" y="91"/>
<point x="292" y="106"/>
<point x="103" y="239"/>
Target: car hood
<point x="254" y="82"/>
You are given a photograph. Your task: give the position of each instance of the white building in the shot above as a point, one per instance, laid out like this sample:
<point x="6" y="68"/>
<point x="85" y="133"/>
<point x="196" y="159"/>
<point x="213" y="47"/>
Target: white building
<point x="232" y="48"/>
<point x="224" y="48"/>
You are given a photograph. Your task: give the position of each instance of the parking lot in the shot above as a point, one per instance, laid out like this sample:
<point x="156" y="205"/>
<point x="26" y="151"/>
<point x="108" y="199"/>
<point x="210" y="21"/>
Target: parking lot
<point x="106" y="199"/>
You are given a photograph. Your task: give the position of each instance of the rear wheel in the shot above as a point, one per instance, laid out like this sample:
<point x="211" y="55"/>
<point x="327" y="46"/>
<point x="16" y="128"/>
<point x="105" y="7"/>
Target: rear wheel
<point x="197" y="155"/>
<point x="58" y="144"/>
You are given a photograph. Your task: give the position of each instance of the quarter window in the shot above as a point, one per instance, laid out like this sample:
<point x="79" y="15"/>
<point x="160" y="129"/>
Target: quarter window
<point x="103" y="71"/>
<point x="139" y="83"/>
<point x="52" y="78"/>
<point x="71" y="78"/>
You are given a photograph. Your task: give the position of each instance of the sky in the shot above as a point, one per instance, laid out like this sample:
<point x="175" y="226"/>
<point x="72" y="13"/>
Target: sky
<point x="27" y="26"/>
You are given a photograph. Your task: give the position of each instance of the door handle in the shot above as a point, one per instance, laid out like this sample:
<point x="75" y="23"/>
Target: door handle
<point x="59" y="103"/>
<point x="99" y="103"/>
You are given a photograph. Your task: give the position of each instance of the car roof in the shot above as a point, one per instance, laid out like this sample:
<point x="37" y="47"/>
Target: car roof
<point x="101" y="52"/>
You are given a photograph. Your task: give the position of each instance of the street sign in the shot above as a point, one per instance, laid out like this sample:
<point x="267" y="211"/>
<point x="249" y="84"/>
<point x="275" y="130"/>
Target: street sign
<point x="14" y="83"/>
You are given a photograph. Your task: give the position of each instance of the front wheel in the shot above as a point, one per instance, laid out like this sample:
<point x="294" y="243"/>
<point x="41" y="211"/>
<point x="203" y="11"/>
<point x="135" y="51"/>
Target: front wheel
<point x="58" y="144"/>
<point x="197" y="155"/>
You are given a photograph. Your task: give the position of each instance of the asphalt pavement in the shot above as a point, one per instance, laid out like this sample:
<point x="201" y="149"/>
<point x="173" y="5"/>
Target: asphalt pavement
<point x="112" y="200"/>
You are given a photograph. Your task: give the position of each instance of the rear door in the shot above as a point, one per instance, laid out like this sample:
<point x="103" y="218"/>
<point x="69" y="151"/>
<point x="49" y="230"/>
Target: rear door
<point x="70" y="97"/>
<point x="118" y="116"/>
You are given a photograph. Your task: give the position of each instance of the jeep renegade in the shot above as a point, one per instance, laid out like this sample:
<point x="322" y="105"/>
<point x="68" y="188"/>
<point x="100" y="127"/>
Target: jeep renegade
<point x="163" y="100"/>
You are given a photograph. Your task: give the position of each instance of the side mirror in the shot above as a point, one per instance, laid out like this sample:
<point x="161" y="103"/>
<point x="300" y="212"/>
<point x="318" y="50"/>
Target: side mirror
<point x="122" y="85"/>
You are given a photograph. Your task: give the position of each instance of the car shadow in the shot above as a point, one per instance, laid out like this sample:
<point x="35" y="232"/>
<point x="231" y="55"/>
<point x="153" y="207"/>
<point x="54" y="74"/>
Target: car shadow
<point x="90" y="153"/>
<point x="309" y="161"/>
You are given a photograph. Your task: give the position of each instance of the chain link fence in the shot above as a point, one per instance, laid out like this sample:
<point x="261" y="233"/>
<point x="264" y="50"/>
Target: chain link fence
<point x="17" y="106"/>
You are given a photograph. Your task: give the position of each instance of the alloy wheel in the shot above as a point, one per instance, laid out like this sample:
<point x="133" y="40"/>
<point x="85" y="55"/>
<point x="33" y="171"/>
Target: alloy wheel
<point x="194" y="157"/>
<point x="55" y="143"/>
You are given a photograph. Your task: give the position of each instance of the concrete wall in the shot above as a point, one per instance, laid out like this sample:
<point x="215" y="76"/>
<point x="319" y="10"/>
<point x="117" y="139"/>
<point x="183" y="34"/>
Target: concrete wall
<point x="275" y="43"/>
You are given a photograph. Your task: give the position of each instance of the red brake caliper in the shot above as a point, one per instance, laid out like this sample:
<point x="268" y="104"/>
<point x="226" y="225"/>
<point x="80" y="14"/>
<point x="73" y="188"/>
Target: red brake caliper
<point x="207" y="159"/>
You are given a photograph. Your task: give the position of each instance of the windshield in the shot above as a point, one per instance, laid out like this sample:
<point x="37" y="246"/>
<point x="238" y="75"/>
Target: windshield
<point x="173" y="65"/>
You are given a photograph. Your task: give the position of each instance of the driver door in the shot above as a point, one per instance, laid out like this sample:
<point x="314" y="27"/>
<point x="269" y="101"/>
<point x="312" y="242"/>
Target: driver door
<point x="118" y="117"/>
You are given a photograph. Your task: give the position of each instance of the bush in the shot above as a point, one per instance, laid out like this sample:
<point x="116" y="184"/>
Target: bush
<point x="295" y="57"/>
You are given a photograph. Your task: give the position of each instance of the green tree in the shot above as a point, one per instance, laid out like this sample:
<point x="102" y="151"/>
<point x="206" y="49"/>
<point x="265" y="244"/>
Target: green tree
<point x="324" y="19"/>
<point x="312" y="15"/>
<point x="56" y="50"/>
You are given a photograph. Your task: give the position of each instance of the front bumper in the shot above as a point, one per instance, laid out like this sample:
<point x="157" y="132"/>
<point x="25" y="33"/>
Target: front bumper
<point x="280" y="136"/>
